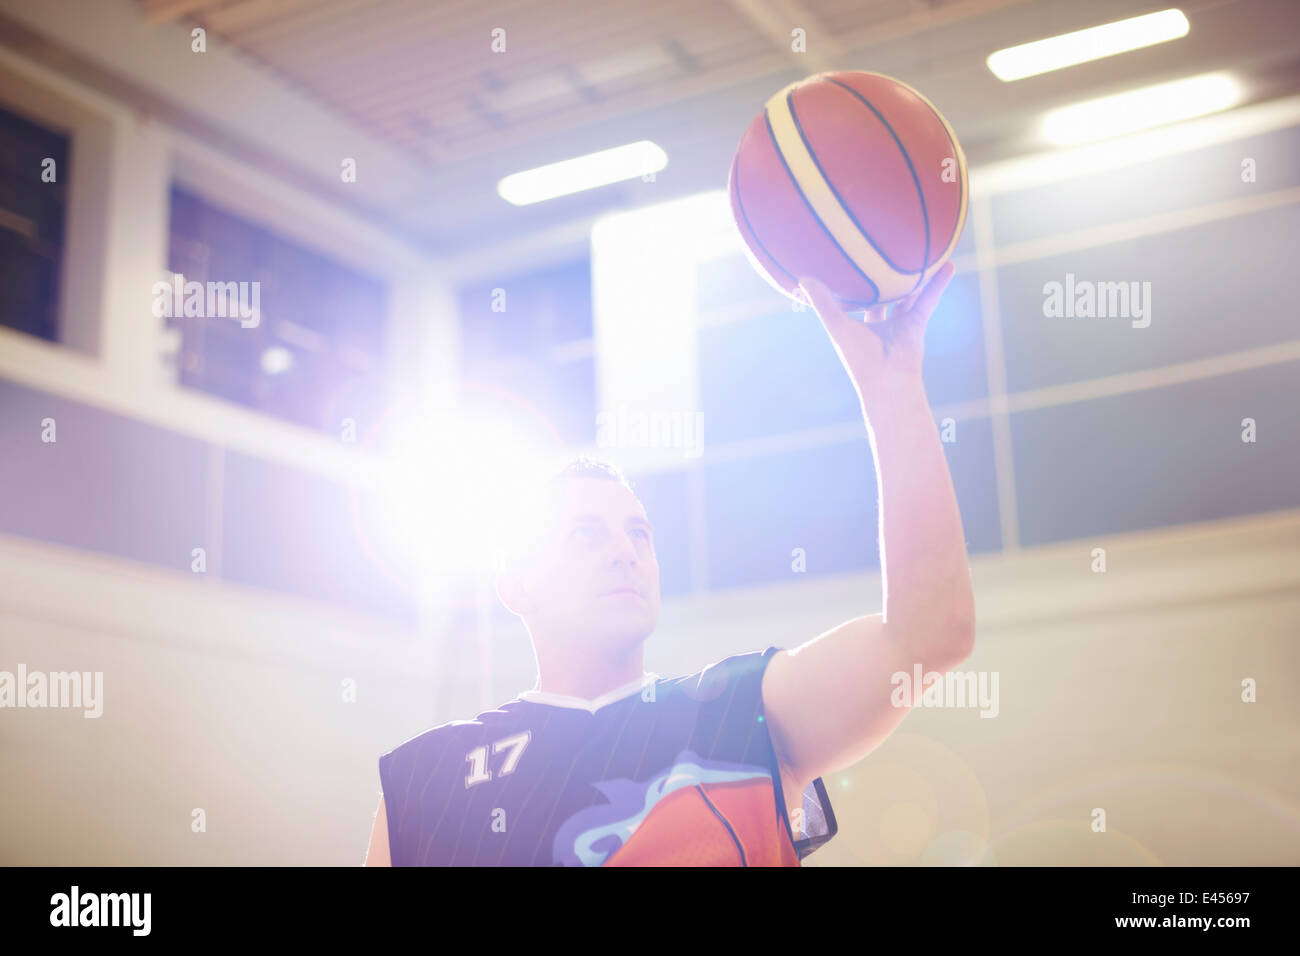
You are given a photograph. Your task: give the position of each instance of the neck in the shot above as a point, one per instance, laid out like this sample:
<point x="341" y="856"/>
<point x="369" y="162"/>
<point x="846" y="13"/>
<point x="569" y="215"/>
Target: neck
<point x="573" y="673"/>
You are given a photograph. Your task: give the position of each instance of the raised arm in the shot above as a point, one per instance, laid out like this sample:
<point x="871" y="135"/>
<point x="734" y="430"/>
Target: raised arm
<point x="828" y="701"/>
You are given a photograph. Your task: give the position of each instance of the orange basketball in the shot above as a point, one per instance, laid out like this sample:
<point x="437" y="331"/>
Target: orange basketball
<point x="853" y="178"/>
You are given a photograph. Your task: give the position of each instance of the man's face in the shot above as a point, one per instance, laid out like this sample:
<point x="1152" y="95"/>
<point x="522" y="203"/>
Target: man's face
<point x="596" y="578"/>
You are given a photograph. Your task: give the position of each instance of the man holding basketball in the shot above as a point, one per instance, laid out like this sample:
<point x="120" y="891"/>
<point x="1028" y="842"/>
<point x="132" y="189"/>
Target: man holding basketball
<point x="604" y="764"/>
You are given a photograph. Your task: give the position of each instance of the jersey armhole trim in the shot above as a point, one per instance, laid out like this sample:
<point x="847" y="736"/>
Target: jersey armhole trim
<point x="388" y="816"/>
<point x="804" y="845"/>
<point x="781" y="811"/>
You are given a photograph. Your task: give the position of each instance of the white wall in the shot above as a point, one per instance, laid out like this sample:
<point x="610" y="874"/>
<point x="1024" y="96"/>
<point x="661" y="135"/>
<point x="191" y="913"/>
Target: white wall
<point x="1118" y="690"/>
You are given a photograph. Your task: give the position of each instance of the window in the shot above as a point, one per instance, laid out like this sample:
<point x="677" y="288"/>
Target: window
<point x="314" y="352"/>
<point x="532" y="335"/>
<point x="31" y="225"/>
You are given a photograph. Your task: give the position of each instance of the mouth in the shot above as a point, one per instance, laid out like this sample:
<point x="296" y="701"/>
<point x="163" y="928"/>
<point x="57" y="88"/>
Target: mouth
<point x="621" y="591"/>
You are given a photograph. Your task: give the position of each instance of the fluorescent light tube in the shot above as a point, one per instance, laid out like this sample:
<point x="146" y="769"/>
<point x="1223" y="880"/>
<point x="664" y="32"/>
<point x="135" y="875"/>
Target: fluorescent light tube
<point x="1069" y="49"/>
<point x="585" y="172"/>
<point x="1142" y="108"/>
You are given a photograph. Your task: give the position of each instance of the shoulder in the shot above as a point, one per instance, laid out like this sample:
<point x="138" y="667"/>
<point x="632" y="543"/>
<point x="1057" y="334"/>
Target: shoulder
<point x="426" y="741"/>
<point x="736" y="674"/>
<point x="727" y="691"/>
<point x="429" y="745"/>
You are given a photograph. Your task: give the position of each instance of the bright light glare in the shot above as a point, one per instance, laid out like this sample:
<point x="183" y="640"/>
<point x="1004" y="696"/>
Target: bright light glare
<point x="453" y="483"/>
<point x="1069" y="49"/>
<point x="1139" y="109"/>
<point x="584" y="172"/>
<point x="277" y="360"/>
<point x="699" y="227"/>
<point x="645" y="299"/>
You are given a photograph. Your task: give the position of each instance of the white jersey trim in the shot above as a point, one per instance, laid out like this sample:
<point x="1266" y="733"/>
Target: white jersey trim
<point x="591" y="706"/>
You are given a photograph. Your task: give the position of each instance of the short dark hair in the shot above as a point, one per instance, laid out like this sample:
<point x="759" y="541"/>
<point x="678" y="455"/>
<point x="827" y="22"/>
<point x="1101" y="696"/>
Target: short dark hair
<point x="523" y="536"/>
<point x="584" y="467"/>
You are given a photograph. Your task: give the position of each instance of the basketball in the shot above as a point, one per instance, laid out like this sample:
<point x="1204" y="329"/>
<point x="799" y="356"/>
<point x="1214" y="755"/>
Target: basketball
<point x="853" y="178"/>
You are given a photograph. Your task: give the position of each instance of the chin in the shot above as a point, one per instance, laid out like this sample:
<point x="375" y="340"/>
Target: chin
<point x="628" y="632"/>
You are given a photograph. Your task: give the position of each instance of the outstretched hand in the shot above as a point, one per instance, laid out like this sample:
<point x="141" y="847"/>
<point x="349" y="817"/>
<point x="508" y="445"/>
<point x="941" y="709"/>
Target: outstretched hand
<point x="884" y="352"/>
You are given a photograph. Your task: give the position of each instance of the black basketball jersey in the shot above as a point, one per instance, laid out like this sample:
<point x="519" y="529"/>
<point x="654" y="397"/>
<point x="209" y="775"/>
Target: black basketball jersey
<point x="660" y="772"/>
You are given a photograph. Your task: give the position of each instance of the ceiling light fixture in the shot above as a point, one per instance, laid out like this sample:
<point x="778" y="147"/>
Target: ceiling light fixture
<point x="1081" y="46"/>
<point x="585" y="172"/>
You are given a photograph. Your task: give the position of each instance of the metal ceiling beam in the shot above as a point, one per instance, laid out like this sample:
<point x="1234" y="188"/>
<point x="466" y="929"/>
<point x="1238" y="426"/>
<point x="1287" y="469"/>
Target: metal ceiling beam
<point x="777" y="19"/>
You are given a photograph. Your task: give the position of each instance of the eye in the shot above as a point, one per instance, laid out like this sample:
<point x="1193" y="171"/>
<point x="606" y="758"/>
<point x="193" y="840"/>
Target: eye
<point x="642" y="532"/>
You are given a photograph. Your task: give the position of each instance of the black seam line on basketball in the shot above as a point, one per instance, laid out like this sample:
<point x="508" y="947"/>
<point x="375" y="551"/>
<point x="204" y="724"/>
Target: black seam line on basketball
<point x="916" y="180"/>
<point x="719" y="815"/>
<point x="811" y="212"/>
<point x="740" y="204"/>
<point x="749" y="226"/>
<point x="965" y="182"/>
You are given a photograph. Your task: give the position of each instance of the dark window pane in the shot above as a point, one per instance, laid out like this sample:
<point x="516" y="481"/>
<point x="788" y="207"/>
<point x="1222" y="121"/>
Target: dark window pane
<point x="1159" y="457"/>
<point x="970" y="462"/>
<point x="329" y="320"/>
<point x="769" y="375"/>
<point x="31" y="225"/>
<point x="778" y="372"/>
<point x="541" y="309"/>
<point x="822" y="500"/>
<point x="1214" y="289"/>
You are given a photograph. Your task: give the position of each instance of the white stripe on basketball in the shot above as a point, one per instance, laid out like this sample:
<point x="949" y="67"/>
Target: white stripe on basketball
<point x="891" y="283"/>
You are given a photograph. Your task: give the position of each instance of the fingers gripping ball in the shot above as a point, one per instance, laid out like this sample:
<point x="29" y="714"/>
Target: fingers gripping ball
<point x="854" y="178"/>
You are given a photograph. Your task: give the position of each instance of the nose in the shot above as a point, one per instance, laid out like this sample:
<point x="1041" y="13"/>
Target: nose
<point x="624" y="551"/>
